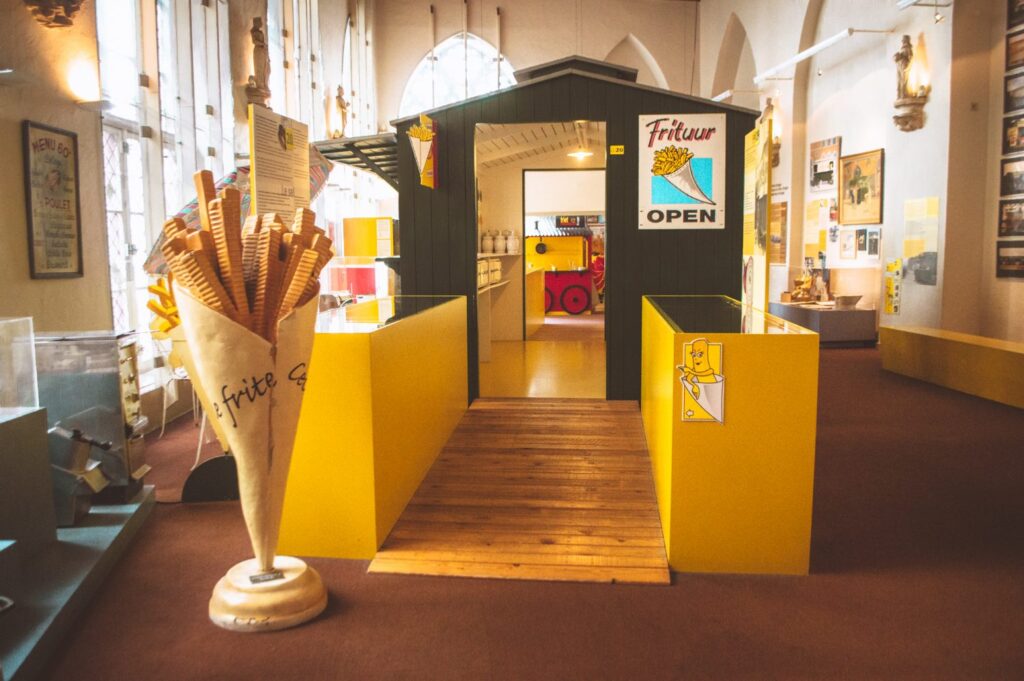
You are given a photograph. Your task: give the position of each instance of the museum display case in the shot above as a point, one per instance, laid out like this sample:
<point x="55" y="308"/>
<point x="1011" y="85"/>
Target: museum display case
<point x="89" y="384"/>
<point x="391" y="374"/>
<point x="729" y="405"/>
<point x="18" y="385"/>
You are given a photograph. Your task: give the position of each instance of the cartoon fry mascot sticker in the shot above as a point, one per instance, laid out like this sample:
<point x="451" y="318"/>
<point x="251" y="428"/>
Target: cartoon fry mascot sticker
<point x="703" y="382"/>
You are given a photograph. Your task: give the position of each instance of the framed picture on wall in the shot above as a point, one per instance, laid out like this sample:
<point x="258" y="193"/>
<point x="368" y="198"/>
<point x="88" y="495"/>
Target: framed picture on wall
<point x="1013" y="93"/>
<point x="1014" y="51"/>
<point x="1013" y="134"/>
<point x="861" y="185"/>
<point x="1011" y="217"/>
<point x="1010" y="259"/>
<point x="51" y="202"/>
<point x="1011" y="176"/>
<point x="1014" y="14"/>
<point x="848" y="244"/>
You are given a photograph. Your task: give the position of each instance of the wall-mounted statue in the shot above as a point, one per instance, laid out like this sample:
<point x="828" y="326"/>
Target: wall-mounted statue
<point x="910" y="97"/>
<point x="54" y="13"/>
<point x="342" y="113"/>
<point x="258" y="89"/>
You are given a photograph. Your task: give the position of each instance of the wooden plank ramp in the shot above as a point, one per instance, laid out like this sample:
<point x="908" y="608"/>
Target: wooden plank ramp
<point x="544" y="489"/>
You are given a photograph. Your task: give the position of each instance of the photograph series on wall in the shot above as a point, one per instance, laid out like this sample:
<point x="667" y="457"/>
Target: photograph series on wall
<point x="1010" y="245"/>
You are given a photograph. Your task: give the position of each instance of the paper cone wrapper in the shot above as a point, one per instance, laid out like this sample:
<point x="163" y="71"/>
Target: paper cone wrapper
<point x="712" y="396"/>
<point x="254" y="390"/>
<point x="684" y="181"/>
<point x="179" y="347"/>
<point x="421" y="150"/>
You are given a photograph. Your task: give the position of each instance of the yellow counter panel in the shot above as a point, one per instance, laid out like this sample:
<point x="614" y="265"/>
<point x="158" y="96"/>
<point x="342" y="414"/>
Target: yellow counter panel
<point x="380" y="403"/>
<point x="735" y="494"/>
<point x="534" y="302"/>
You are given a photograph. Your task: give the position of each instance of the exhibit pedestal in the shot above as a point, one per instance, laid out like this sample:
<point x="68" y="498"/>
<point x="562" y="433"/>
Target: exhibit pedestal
<point x="246" y="599"/>
<point x="853" y="327"/>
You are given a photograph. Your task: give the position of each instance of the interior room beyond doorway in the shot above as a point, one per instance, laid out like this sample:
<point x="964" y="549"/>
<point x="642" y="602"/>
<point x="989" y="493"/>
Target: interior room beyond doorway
<point x="541" y="199"/>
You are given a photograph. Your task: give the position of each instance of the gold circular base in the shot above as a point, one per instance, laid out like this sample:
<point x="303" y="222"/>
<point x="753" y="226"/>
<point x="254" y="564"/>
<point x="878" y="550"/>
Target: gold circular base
<point x="239" y="604"/>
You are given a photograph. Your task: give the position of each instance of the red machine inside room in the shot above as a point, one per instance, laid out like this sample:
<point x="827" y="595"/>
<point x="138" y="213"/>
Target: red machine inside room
<point x="568" y="291"/>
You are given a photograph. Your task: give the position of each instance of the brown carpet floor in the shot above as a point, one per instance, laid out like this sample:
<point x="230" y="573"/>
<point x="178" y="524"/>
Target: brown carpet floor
<point x="918" y="573"/>
<point x="173" y="455"/>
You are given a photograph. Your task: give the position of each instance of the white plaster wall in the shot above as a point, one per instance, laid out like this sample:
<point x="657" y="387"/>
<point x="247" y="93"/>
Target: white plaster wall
<point x="853" y="98"/>
<point x="534" y="32"/>
<point x="39" y="91"/>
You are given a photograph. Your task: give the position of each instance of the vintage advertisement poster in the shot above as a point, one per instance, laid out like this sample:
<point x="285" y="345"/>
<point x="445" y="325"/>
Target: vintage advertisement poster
<point x="824" y="164"/>
<point x="682" y="171"/>
<point x="893" y="281"/>
<point x="278" y="149"/>
<point x="862" y="186"/>
<point x="51" y="202"/>
<point x="756" y="200"/>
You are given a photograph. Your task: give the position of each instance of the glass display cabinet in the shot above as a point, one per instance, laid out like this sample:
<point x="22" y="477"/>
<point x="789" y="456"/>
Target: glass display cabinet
<point x="89" y="384"/>
<point x="19" y="389"/>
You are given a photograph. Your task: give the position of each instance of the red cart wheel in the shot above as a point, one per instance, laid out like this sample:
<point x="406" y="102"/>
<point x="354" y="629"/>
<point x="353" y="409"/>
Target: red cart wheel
<point x="575" y="299"/>
<point x="549" y="300"/>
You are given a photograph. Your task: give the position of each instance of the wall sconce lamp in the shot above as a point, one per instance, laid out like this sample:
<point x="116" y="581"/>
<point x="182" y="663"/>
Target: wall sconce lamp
<point x="84" y="84"/>
<point x="912" y="84"/>
<point x="772" y="112"/>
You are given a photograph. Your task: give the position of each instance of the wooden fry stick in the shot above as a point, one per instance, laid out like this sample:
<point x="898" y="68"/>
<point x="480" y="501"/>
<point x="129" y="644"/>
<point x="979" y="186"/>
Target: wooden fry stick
<point x="227" y="236"/>
<point x="300" y="278"/>
<point x="174" y="227"/>
<point x="203" y="282"/>
<point x="206" y="191"/>
<point x="268" y="282"/>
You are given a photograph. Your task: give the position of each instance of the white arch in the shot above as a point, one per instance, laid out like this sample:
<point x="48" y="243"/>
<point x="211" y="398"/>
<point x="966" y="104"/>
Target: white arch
<point x="460" y="69"/>
<point x="631" y="52"/>
<point x="734" y="41"/>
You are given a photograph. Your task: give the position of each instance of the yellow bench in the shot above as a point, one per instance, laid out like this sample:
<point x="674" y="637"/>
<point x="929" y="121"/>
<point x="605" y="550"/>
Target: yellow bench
<point x="976" y="365"/>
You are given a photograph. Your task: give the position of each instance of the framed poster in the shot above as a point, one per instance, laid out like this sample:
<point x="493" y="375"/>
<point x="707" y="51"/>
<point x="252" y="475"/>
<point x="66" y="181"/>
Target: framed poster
<point x="1013" y="93"/>
<point x="1014" y="14"/>
<point x="279" y="156"/>
<point x="1011" y="177"/>
<point x="1013" y="134"/>
<point x="1011" y="217"/>
<point x="682" y="171"/>
<point x="874" y="242"/>
<point x="1010" y="259"/>
<point x="861" y="186"/>
<point x="1014" y="51"/>
<point x="824" y="164"/>
<point x="52" y="208"/>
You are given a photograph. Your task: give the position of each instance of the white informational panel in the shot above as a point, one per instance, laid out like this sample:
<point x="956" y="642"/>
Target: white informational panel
<point x="279" y="154"/>
<point x="564" y="192"/>
<point x="682" y="171"/>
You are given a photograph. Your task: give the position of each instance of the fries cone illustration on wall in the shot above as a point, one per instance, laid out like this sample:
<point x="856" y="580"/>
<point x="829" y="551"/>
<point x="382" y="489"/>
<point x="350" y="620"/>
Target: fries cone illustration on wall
<point x="247" y="301"/>
<point x="673" y="163"/>
<point x="703" y="382"/>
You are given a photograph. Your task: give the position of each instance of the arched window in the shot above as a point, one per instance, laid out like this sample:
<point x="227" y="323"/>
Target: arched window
<point x="459" y="70"/>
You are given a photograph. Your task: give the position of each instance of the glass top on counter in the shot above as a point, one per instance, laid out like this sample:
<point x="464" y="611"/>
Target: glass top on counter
<point x="370" y="315"/>
<point x="718" y="314"/>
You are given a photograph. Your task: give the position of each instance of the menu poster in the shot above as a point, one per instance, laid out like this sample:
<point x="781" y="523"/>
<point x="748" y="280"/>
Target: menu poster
<point x="51" y="202"/>
<point x="279" y="154"/>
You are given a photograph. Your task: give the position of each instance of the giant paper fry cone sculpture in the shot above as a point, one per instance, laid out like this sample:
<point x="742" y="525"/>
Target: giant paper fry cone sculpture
<point x="247" y="303"/>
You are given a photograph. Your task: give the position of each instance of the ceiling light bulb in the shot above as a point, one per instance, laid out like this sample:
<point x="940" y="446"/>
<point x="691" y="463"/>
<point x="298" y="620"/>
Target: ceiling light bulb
<point x="581" y="153"/>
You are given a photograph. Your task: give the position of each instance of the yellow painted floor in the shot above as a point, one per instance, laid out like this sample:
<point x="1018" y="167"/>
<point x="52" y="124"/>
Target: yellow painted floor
<point x="547" y="368"/>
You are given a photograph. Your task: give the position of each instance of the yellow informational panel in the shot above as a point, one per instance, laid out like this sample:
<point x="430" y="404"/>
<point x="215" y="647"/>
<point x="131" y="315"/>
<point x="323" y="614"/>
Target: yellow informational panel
<point x="279" y="154"/>
<point x="757" y="183"/>
<point x="730" y="420"/>
<point x="377" y="411"/>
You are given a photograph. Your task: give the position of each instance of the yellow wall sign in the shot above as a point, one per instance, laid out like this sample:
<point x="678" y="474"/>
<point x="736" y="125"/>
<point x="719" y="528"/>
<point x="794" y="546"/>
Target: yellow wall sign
<point x="617" y="149"/>
<point x="423" y="138"/>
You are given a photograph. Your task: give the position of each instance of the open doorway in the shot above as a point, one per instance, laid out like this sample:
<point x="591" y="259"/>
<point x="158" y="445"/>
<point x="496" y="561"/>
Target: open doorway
<point x="541" y="208"/>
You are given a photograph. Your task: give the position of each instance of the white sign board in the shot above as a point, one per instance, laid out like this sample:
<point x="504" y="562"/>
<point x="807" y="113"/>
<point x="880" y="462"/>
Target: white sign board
<point x="682" y="171"/>
<point x="564" y="192"/>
